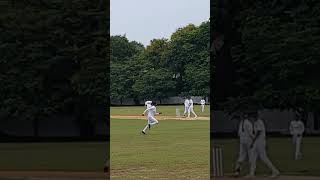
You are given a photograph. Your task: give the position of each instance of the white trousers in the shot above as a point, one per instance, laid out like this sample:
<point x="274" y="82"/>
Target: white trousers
<point x="244" y="154"/>
<point x="186" y="109"/>
<point x="259" y="151"/>
<point x="202" y="107"/>
<point x="152" y="121"/>
<point x="190" y="110"/>
<point x="296" y="141"/>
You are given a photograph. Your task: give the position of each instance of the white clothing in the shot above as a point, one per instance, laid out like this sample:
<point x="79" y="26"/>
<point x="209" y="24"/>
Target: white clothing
<point x="296" y="130"/>
<point x="186" y="106"/>
<point x="259" y="126"/>
<point x="152" y="111"/>
<point x="148" y="104"/>
<point x="190" y="109"/>
<point x="296" y="127"/>
<point x="259" y="149"/>
<point x="202" y="102"/>
<point x="245" y="132"/>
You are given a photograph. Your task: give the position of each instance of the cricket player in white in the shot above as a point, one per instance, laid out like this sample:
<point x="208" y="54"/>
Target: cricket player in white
<point x="147" y="104"/>
<point x="202" y="102"/>
<point x="186" y="106"/>
<point x="259" y="148"/>
<point x="296" y="130"/>
<point x="190" y="109"/>
<point x="245" y="133"/>
<point x="152" y="111"/>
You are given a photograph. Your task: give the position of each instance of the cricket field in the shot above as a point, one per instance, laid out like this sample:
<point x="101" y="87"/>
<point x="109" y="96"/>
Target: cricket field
<point x="176" y="148"/>
<point x="280" y="152"/>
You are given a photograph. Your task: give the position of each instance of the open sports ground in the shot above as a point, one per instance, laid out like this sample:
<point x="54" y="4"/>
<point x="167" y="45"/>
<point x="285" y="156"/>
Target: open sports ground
<point x="173" y="149"/>
<point x="280" y="152"/>
<point x="52" y="161"/>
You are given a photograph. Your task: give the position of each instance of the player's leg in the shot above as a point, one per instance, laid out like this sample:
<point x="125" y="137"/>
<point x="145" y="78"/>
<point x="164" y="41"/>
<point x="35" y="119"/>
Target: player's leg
<point x="189" y="109"/>
<point x="261" y="149"/>
<point x="298" y="148"/>
<point x="253" y="161"/>
<point x="192" y="111"/>
<point x="153" y="121"/>
<point x="202" y="108"/>
<point x="185" y="110"/>
<point x="294" y="143"/>
<point x="145" y="129"/>
<point x="242" y="157"/>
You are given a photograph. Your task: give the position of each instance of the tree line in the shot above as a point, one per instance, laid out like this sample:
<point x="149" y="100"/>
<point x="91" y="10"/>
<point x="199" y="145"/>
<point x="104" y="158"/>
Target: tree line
<point x="179" y="66"/>
<point x="266" y="54"/>
<point x="54" y="61"/>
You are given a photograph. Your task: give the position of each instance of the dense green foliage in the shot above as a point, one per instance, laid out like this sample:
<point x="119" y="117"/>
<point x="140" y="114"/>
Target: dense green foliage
<point x="53" y="60"/>
<point x="178" y="66"/>
<point x="273" y="49"/>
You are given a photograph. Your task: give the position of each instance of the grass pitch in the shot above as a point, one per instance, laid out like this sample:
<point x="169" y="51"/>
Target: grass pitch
<point x="166" y="110"/>
<point x="280" y="152"/>
<point x="52" y="156"/>
<point x="172" y="149"/>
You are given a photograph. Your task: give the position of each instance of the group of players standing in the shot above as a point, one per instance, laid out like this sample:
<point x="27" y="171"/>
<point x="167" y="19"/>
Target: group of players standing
<point x="151" y="111"/>
<point x="188" y="107"/>
<point x="252" y="134"/>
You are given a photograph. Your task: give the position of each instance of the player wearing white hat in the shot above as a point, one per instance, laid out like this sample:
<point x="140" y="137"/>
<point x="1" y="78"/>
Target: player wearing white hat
<point x="147" y="104"/>
<point x="152" y="111"/>
<point x="296" y="130"/>
<point x="259" y="148"/>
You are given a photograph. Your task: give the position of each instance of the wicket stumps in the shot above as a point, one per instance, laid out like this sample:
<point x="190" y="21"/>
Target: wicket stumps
<point x="217" y="161"/>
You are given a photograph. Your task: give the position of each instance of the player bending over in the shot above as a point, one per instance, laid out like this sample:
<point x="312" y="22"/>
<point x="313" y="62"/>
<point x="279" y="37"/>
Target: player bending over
<point x="296" y="130"/>
<point x="152" y="111"/>
<point x="258" y="147"/>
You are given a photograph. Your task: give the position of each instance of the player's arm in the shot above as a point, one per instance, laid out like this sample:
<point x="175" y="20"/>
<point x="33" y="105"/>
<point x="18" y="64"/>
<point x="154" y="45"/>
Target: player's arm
<point x="144" y="112"/>
<point x="255" y="138"/>
<point x="291" y="128"/>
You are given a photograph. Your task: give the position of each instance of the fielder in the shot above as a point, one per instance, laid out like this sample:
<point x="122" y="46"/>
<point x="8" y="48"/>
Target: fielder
<point x="202" y="102"/>
<point x="152" y="111"/>
<point x="186" y="106"/>
<point x="190" y="109"/>
<point x="147" y="104"/>
<point x="245" y="133"/>
<point x="296" y="130"/>
<point x="258" y="147"/>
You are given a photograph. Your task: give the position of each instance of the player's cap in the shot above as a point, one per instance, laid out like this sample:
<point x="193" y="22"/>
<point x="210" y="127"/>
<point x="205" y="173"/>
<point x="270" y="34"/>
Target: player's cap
<point x="153" y="103"/>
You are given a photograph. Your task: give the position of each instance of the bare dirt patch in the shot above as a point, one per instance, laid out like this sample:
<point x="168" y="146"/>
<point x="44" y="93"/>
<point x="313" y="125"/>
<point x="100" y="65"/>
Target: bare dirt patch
<point x="51" y="175"/>
<point x="159" y="117"/>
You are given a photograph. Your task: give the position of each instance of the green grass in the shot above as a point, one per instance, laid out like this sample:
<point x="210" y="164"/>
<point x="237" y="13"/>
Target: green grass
<point x="166" y="110"/>
<point x="53" y="156"/>
<point x="280" y="152"/>
<point x="173" y="149"/>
